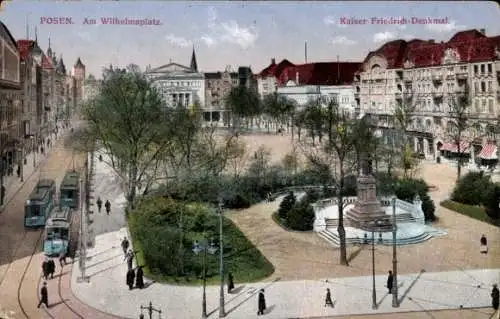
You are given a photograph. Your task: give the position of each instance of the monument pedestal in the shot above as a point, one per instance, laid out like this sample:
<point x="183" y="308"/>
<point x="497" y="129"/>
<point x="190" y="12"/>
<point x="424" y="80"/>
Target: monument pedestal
<point x="367" y="209"/>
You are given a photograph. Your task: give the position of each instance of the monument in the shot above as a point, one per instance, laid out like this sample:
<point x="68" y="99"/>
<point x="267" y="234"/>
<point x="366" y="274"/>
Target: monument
<point x="367" y="209"/>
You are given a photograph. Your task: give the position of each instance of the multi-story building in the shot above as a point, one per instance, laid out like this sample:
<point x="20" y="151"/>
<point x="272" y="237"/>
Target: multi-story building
<point x="10" y="102"/>
<point x="179" y="84"/>
<point x="217" y="88"/>
<point x="311" y="81"/>
<point x="78" y="74"/>
<point x="427" y="77"/>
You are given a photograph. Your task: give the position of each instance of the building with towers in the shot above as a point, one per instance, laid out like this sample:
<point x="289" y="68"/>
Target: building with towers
<point x="179" y="84"/>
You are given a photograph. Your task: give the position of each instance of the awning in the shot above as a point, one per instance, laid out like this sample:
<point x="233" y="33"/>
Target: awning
<point x="464" y="147"/>
<point x="446" y="147"/>
<point x="488" y="152"/>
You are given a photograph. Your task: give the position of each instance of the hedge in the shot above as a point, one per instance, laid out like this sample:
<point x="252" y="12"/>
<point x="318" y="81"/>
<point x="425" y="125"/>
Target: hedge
<point x="476" y="212"/>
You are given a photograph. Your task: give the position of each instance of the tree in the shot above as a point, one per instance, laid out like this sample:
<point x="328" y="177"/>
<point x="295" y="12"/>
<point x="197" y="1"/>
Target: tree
<point x="402" y="119"/>
<point x="286" y="205"/>
<point x="280" y="109"/>
<point x="315" y="120"/>
<point x="459" y="104"/>
<point x="492" y="202"/>
<point x="127" y="119"/>
<point x="243" y="103"/>
<point x="335" y="152"/>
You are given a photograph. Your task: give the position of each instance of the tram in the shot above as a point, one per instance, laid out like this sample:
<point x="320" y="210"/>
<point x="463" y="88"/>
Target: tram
<point x="40" y="203"/>
<point x="57" y="232"/>
<point x="69" y="190"/>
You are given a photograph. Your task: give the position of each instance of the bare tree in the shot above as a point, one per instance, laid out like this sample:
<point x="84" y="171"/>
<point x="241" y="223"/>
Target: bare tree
<point x="335" y="154"/>
<point x="403" y="114"/>
<point x="459" y="104"/>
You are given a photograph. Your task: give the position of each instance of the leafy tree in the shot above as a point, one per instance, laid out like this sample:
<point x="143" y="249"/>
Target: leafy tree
<point x="243" y="103"/>
<point x="492" y="202"/>
<point x="407" y="189"/>
<point x="459" y="104"/>
<point x="314" y="120"/>
<point x="286" y="205"/>
<point x="402" y="119"/>
<point x="470" y="189"/>
<point x="128" y="121"/>
<point x="301" y="216"/>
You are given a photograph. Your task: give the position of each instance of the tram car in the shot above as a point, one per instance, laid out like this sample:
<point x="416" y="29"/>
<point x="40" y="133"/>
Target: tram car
<point x="69" y="191"/>
<point x="57" y="232"/>
<point x="40" y="203"/>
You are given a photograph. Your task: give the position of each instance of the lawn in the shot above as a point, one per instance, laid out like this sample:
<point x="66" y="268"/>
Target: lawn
<point x="154" y="228"/>
<point x="476" y="212"/>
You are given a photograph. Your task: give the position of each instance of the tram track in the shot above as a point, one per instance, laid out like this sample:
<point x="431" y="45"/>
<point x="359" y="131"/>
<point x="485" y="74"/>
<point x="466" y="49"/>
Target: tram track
<point x="22" y="267"/>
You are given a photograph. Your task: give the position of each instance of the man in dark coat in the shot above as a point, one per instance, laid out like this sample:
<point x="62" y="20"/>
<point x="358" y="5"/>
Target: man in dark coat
<point x="44" y="296"/>
<point x="45" y="269"/>
<point x="230" y="283"/>
<point x="62" y="258"/>
<point x="390" y="280"/>
<point x="328" y="298"/>
<point x="139" y="278"/>
<point x="99" y="204"/>
<point x="125" y="245"/>
<point x="107" y="205"/>
<point x="130" y="258"/>
<point x="130" y="278"/>
<point x="52" y="267"/>
<point x="484" y="245"/>
<point x="495" y="297"/>
<point x="262" y="303"/>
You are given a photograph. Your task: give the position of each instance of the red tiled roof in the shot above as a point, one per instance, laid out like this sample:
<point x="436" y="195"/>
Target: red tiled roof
<point x="24" y="47"/>
<point x="471" y="45"/>
<point x="321" y="73"/>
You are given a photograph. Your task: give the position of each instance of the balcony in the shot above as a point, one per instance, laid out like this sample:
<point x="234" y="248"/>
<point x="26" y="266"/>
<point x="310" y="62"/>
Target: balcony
<point x="462" y="75"/>
<point x="437" y="76"/>
<point x="356" y="95"/>
<point x="437" y="94"/>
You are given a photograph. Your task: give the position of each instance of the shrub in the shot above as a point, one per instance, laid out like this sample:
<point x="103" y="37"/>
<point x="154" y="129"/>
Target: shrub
<point x="301" y="217"/>
<point x="385" y="183"/>
<point x="407" y="189"/>
<point x="350" y="185"/>
<point x="470" y="189"/>
<point x="472" y="211"/>
<point x="286" y="205"/>
<point x="492" y="202"/>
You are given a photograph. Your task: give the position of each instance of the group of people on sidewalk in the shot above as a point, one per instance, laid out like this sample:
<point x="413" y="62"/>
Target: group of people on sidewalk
<point x="107" y="205"/>
<point x="136" y="274"/>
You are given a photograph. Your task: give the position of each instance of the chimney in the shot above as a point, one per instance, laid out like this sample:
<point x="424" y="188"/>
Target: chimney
<point x="483" y="31"/>
<point x="273" y="61"/>
<point x="296" y="78"/>
<point x="431" y="41"/>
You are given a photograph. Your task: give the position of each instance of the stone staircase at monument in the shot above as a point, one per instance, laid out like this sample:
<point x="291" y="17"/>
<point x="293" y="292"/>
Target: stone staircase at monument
<point x="400" y="218"/>
<point x="334" y="239"/>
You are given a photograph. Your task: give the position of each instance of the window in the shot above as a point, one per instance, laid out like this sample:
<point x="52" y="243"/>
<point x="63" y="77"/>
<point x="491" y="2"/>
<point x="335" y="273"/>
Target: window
<point x="490" y="86"/>
<point x="483" y="87"/>
<point x="490" y="106"/>
<point x="476" y="87"/>
<point x="482" y="68"/>
<point x="483" y="107"/>
<point x="476" y="106"/>
<point x="490" y="68"/>
<point x="476" y="69"/>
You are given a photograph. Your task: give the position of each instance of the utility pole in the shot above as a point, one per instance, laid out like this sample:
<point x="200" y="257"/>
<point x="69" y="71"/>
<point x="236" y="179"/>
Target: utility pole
<point x="83" y="221"/>
<point x="395" y="301"/>
<point x="222" y="312"/>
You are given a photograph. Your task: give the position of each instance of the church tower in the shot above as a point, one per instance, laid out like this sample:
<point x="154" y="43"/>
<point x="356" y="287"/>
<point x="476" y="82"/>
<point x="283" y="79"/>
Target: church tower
<point x="78" y="74"/>
<point x="194" y="65"/>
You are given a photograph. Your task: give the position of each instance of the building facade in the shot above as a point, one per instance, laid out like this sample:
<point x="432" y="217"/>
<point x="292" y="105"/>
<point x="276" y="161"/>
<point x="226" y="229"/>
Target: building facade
<point x="427" y="77"/>
<point x="179" y="84"/>
<point x="11" y="103"/>
<point x="311" y="82"/>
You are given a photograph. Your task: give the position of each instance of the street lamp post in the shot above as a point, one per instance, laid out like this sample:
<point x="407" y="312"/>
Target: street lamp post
<point x="222" y="312"/>
<point x="395" y="301"/>
<point x="205" y="248"/>
<point x="374" y="292"/>
<point x="150" y="310"/>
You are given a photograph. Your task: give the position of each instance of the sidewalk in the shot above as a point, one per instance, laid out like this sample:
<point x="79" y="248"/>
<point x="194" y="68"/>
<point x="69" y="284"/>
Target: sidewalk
<point x="293" y="299"/>
<point x="13" y="183"/>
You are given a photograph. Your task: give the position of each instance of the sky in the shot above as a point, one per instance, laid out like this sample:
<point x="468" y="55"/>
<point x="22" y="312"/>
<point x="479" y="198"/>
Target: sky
<point x="236" y="33"/>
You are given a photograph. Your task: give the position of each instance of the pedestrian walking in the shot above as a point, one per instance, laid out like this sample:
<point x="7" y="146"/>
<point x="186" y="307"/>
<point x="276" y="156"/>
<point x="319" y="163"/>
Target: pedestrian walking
<point x="125" y="245"/>
<point x="52" y="268"/>
<point x="139" y="278"/>
<point x="18" y="171"/>
<point x="495" y="297"/>
<point x="45" y="269"/>
<point x="328" y="298"/>
<point x="99" y="204"/>
<point x="130" y="279"/>
<point x="130" y="258"/>
<point x="262" y="303"/>
<point x="62" y="258"/>
<point x="390" y="280"/>
<point x="484" y="245"/>
<point x="108" y="206"/>
<point x="230" y="283"/>
<point x="44" y="296"/>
